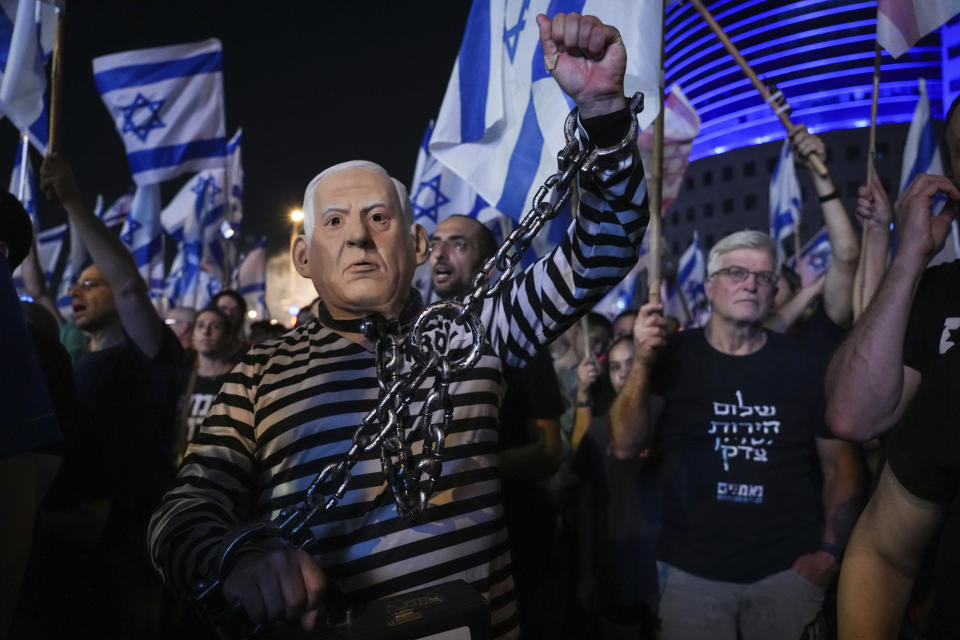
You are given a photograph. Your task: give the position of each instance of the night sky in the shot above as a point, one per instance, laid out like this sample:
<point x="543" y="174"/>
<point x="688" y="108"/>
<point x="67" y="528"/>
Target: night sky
<point x="311" y="83"/>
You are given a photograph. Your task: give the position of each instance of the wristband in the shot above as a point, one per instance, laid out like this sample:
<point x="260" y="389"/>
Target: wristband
<point x="584" y="403"/>
<point x="832" y="549"/>
<point x="833" y="195"/>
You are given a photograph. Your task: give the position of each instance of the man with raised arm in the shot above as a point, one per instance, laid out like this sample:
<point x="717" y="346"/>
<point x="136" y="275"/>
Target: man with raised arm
<point x="758" y="498"/>
<point x="293" y="404"/>
<point x="122" y="462"/>
<point x="912" y="319"/>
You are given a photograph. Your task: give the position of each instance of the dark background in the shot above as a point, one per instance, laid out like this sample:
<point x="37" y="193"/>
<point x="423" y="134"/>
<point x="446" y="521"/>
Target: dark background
<point x="311" y="83"/>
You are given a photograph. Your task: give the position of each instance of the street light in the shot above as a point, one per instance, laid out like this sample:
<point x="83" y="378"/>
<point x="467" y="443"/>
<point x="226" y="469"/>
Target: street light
<point x="296" y="215"/>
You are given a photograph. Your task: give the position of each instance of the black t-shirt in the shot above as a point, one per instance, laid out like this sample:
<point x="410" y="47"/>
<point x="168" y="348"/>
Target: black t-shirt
<point x="741" y="477"/>
<point x="130" y="399"/>
<point x="818" y="332"/>
<point x="924" y="455"/>
<point x="934" y="325"/>
<point x="205" y="391"/>
<point x="532" y="394"/>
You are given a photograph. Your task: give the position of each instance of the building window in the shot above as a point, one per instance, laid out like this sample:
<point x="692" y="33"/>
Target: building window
<point x="882" y="150"/>
<point x="771" y="164"/>
<point x="749" y="168"/>
<point x="728" y="206"/>
<point x="674" y="218"/>
<point x="688" y="183"/>
<point x="676" y="248"/>
<point x="691" y="214"/>
<point x="853" y="152"/>
<point x="707" y="178"/>
<point x="709" y="241"/>
<point x="749" y="202"/>
<point x="727" y="173"/>
<point x="708" y="210"/>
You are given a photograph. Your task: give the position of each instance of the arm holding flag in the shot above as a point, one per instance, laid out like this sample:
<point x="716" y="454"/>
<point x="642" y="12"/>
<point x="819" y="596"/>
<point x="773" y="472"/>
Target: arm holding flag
<point x="876" y="214"/>
<point x="868" y="384"/>
<point x="838" y="281"/>
<point x="137" y="314"/>
<point x="791" y="310"/>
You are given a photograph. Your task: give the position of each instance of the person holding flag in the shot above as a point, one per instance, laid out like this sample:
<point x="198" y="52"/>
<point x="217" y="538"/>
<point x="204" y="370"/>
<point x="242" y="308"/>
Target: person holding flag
<point x="290" y="405"/>
<point x="127" y="388"/>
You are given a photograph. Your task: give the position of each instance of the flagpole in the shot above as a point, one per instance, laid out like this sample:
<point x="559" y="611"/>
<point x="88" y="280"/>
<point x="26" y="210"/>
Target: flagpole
<point x="781" y="110"/>
<point x="24" y="158"/>
<point x="871" y="156"/>
<point x="56" y="82"/>
<point x="655" y="187"/>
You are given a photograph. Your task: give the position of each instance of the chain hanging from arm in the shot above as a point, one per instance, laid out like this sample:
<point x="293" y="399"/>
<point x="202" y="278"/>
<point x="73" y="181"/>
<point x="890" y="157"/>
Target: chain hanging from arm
<point x="412" y="479"/>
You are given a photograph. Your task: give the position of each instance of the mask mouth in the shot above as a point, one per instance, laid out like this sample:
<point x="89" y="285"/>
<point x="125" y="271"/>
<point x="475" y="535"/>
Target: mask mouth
<point x="79" y="307"/>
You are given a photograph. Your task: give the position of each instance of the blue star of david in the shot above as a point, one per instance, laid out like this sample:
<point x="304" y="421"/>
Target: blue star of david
<point x="132" y="226"/>
<point x="141" y="127"/>
<point x="208" y="184"/>
<point x="431" y="212"/>
<point x="511" y="36"/>
<point x="819" y="260"/>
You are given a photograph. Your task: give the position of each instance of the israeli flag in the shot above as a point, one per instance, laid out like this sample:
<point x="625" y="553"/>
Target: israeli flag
<point x="167" y="104"/>
<point x="189" y="285"/>
<point x="196" y="213"/>
<point x="250" y="280"/>
<point x="815" y="258"/>
<point x="921" y="153"/>
<point x="25" y="27"/>
<point x="691" y="275"/>
<point x="23" y="184"/>
<point x="785" y="200"/>
<point x="501" y="122"/>
<point x="143" y="235"/>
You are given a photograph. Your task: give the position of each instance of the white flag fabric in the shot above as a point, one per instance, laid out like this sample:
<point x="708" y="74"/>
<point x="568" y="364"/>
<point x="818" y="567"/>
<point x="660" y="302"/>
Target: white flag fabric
<point x="251" y="280"/>
<point x="785" y="203"/>
<point x="23" y="184"/>
<point x="501" y="122"/>
<point x="116" y="214"/>
<point x="901" y="23"/>
<point x="23" y="83"/>
<point x="49" y="245"/>
<point x="680" y="126"/>
<point x="143" y="235"/>
<point x="167" y="104"/>
<point x="921" y="154"/>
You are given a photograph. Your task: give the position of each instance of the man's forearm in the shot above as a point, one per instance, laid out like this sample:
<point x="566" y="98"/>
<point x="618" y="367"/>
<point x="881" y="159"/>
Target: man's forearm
<point x="107" y="252"/>
<point x="629" y="418"/>
<point x="843" y="495"/>
<point x="865" y="376"/>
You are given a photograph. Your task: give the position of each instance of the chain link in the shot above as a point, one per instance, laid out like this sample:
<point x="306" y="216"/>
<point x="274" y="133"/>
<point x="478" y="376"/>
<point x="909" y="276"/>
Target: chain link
<point x="411" y="478"/>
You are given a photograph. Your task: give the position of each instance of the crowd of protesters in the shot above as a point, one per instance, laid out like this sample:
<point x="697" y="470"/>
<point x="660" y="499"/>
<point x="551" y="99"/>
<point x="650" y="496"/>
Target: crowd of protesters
<point x="655" y="480"/>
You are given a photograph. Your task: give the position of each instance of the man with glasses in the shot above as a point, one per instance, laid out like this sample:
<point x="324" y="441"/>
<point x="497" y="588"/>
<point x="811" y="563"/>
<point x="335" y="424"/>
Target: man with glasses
<point x="758" y="498"/>
<point x="123" y="461"/>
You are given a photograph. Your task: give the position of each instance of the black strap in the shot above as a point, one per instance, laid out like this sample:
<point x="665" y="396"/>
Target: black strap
<point x="374" y="325"/>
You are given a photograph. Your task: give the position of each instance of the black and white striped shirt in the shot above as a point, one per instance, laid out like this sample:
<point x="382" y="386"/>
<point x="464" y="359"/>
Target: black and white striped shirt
<point x="292" y="405"/>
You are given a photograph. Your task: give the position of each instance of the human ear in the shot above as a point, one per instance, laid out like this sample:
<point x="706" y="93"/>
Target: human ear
<point x="421" y="243"/>
<point x="299" y="256"/>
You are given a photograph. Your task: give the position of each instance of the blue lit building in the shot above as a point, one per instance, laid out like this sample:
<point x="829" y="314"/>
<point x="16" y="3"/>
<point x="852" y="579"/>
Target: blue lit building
<point x="820" y="53"/>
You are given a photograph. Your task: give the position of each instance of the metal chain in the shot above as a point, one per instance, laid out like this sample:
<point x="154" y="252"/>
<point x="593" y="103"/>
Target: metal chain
<point x="411" y="478"/>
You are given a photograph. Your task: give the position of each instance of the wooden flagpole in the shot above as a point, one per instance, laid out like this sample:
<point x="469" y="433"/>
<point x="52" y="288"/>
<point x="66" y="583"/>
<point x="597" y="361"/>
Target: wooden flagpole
<point x="56" y="84"/>
<point x="655" y="189"/>
<point x="871" y="156"/>
<point x="779" y="109"/>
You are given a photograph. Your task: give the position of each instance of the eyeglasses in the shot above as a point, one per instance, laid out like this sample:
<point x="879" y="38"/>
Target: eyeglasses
<point x="740" y="274"/>
<point x="460" y="245"/>
<point x="86" y="285"/>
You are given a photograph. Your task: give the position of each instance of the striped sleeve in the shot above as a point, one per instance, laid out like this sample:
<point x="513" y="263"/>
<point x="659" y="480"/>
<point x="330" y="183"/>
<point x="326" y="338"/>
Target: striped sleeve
<point x="600" y="248"/>
<point x="213" y="487"/>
